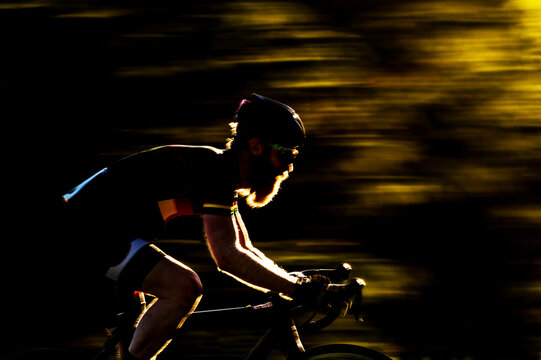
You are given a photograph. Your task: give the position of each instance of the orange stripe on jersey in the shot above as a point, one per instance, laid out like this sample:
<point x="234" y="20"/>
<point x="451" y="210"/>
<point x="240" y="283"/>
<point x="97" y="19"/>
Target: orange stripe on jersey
<point x="175" y="207"/>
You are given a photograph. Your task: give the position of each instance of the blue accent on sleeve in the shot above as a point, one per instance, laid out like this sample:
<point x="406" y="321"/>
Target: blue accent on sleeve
<point x="78" y="188"/>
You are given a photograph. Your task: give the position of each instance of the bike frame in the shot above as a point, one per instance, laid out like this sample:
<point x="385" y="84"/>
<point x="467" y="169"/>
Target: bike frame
<point x="282" y="332"/>
<point x="278" y="314"/>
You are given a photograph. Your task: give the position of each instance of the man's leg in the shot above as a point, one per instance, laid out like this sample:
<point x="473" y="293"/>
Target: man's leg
<point x="177" y="289"/>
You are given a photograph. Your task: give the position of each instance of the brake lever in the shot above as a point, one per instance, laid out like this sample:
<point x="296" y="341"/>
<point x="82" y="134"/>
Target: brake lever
<point x="355" y="301"/>
<point x="342" y="272"/>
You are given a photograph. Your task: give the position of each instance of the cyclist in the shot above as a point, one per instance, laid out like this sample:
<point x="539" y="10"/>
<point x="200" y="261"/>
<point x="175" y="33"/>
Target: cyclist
<point x="124" y="206"/>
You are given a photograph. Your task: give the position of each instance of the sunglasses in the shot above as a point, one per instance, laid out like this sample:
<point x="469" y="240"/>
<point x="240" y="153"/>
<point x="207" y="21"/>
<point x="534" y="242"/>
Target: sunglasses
<point x="285" y="152"/>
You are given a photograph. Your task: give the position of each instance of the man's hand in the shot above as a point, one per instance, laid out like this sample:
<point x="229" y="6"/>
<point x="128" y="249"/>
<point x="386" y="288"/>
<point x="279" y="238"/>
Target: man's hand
<point x="310" y="289"/>
<point x="319" y="280"/>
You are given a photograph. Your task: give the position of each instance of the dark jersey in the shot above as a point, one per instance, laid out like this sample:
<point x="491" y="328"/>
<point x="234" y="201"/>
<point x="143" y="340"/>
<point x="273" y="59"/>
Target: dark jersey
<point x="136" y="196"/>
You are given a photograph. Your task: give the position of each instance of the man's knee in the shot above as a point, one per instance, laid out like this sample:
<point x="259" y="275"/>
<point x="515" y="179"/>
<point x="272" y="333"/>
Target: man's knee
<point x="191" y="285"/>
<point x="173" y="280"/>
<point x="185" y="291"/>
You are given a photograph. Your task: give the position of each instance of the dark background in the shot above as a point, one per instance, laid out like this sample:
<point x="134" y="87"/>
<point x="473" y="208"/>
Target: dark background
<point x="421" y="166"/>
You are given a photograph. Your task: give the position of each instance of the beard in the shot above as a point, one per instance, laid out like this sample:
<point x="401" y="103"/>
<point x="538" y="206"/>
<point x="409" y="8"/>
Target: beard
<point x="264" y="185"/>
<point x="263" y="194"/>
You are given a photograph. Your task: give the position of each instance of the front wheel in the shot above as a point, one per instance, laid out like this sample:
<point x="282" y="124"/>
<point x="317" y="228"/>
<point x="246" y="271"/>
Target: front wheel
<point x="343" y="352"/>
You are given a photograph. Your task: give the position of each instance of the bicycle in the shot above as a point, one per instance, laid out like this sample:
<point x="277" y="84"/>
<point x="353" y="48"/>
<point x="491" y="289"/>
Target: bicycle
<point x="282" y="315"/>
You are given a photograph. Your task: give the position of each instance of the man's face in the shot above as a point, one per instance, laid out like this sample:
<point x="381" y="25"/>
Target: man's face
<point x="267" y="170"/>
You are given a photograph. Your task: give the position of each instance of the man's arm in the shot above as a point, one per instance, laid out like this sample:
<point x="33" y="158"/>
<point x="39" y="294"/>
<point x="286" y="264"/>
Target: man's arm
<point x="228" y="243"/>
<point x="245" y="243"/>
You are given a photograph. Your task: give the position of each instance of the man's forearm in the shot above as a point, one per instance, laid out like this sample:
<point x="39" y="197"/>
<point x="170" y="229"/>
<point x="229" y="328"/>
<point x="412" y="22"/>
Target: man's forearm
<point x="247" y="267"/>
<point x="232" y="257"/>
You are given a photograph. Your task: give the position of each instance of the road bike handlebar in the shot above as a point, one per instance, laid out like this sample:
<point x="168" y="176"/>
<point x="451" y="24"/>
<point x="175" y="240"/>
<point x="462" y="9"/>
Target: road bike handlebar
<point x="336" y="275"/>
<point x="339" y="297"/>
<point x="336" y="299"/>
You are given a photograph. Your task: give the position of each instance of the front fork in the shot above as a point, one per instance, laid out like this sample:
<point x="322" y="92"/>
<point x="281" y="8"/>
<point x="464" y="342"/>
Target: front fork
<point x="283" y="334"/>
<point x="292" y="341"/>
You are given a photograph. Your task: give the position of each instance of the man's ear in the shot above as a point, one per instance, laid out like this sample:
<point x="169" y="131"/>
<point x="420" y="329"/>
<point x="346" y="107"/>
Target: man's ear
<point x="256" y="146"/>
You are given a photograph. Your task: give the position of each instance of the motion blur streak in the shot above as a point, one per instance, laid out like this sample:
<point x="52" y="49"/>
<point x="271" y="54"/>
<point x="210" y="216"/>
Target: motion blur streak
<point x="423" y="159"/>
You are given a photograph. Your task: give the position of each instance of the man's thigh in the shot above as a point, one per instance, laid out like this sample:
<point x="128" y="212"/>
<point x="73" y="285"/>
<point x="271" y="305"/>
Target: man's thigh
<point x="135" y="267"/>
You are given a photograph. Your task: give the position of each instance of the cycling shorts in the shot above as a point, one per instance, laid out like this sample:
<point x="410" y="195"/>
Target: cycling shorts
<point x="133" y="269"/>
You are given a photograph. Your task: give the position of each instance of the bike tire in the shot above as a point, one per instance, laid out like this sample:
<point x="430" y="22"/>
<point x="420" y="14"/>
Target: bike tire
<point x="344" y="352"/>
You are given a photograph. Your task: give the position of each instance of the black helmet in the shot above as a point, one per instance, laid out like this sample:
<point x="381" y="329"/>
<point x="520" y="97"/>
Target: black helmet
<point x="269" y="120"/>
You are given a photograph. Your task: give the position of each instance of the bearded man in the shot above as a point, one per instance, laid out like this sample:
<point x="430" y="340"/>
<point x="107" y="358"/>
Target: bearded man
<point x="120" y="209"/>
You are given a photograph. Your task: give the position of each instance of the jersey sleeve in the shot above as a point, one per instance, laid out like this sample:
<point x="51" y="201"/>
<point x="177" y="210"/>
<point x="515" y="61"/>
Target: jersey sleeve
<point x="219" y="196"/>
<point x="209" y="185"/>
